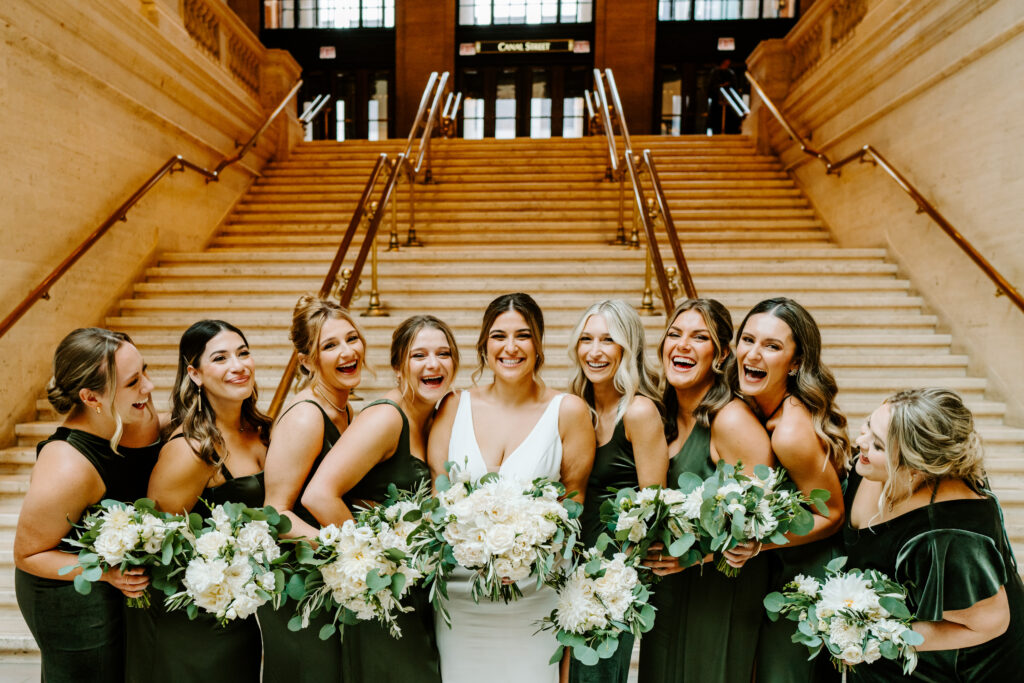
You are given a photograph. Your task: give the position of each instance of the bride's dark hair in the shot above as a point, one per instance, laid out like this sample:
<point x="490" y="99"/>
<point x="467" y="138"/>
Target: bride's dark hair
<point x="524" y="305"/>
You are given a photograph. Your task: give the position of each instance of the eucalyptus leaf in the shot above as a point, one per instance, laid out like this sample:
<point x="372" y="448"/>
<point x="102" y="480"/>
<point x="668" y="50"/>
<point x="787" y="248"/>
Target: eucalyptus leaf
<point x="774" y="602"/>
<point x="327" y="630"/>
<point x="585" y="655"/>
<point x="896" y="607"/>
<point x="82" y="586"/>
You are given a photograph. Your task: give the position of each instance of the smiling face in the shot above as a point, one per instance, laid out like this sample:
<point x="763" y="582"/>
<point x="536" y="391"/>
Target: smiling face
<point x="131" y="398"/>
<point x="873" y="458"/>
<point x="688" y="352"/>
<point x="511" y="351"/>
<point x="430" y="367"/>
<point x="340" y="351"/>
<point x="766" y="354"/>
<point x="226" y="369"/>
<point x="598" y="353"/>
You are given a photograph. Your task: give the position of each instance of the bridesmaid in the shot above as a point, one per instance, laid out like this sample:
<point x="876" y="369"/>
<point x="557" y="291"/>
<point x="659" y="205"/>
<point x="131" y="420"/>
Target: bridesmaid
<point x="331" y="350"/>
<point x="707" y="624"/>
<point x="386" y="444"/>
<point x="105" y="448"/>
<point x="215" y="455"/>
<point x="920" y="511"/>
<point x="611" y="373"/>
<point x="780" y="372"/>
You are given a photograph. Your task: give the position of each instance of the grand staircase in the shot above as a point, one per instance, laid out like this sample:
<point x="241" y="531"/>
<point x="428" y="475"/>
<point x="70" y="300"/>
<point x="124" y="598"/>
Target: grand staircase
<point x="535" y="216"/>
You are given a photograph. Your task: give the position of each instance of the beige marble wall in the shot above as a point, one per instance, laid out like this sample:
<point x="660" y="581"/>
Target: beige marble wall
<point x="936" y="87"/>
<point x="94" y="98"/>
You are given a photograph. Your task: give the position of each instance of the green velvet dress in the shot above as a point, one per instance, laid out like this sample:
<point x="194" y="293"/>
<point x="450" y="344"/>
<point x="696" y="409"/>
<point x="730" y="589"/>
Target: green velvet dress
<point x="614" y="468"/>
<point x="369" y="653"/>
<point x="168" y="647"/>
<point x="81" y="638"/>
<point x="949" y="555"/>
<point x="706" y="626"/>
<point x="301" y="656"/>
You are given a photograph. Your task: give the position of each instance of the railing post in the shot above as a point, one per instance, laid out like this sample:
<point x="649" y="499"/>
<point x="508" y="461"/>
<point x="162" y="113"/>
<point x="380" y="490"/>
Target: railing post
<point x="620" y="233"/>
<point x="375" y="308"/>
<point x="647" y="299"/>
<point x="411" y="240"/>
<point x="393" y="239"/>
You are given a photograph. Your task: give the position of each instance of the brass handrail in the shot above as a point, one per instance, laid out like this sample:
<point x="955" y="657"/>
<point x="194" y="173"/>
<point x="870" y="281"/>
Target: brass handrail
<point x="606" y="122"/>
<point x="869" y="154"/>
<point x="634" y="166"/>
<point x="172" y="165"/>
<point x="400" y="169"/>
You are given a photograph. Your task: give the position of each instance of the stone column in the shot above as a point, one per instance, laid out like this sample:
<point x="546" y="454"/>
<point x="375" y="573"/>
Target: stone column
<point x="624" y="32"/>
<point x="424" y="42"/>
<point x="278" y="73"/>
<point x="770" y="63"/>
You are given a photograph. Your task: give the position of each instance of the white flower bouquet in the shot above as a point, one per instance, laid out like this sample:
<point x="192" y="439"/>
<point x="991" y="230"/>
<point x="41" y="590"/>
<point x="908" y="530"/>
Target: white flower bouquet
<point x="598" y="600"/>
<point x="857" y="616"/>
<point x="739" y="509"/>
<point x="123" y="535"/>
<point x="654" y="514"/>
<point x="361" y="570"/>
<point x="504" y="530"/>
<point x="236" y="565"/>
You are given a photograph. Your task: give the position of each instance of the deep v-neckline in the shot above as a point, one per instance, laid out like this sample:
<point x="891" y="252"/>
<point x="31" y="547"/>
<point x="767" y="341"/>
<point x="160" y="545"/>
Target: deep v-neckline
<point x="476" y="443"/>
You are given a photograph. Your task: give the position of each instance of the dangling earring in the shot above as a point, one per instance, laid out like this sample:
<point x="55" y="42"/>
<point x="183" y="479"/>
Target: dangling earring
<point x="199" y="396"/>
<point x="99" y="410"/>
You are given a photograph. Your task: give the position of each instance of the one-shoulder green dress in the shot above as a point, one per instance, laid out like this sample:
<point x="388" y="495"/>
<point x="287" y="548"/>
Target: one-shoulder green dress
<point x="167" y="647"/>
<point x="81" y="638"/>
<point x="614" y="469"/>
<point x="301" y="656"/>
<point x="949" y="555"/>
<point x="369" y="653"/>
<point x="706" y="625"/>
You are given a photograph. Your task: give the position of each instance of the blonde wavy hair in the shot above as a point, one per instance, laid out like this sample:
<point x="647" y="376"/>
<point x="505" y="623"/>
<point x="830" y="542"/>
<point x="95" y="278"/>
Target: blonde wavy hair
<point x="814" y="385"/>
<point x="308" y="318"/>
<point x="403" y="338"/>
<point x="635" y="375"/>
<point x="931" y="431"/>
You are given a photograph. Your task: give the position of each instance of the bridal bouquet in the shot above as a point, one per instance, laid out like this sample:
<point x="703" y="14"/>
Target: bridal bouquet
<point x="236" y="565"/>
<point x="739" y="509"/>
<point x="123" y="535"/>
<point x="668" y="516"/>
<point x="505" y="530"/>
<point x="599" y="599"/>
<point x="857" y="616"/>
<point x="361" y="570"/>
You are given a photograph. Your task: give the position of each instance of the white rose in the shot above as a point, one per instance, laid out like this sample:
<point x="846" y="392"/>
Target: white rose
<point x="201" y="574"/>
<point x="807" y="585"/>
<point x="109" y="547"/>
<point x="852" y="655"/>
<point x="328" y="535"/>
<point x="220" y="519"/>
<point x="872" y="652"/>
<point x="499" y="539"/>
<point x="209" y="545"/>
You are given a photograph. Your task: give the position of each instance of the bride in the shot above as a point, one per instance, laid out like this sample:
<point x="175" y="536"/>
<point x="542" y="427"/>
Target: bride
<point x="518" y="427"/>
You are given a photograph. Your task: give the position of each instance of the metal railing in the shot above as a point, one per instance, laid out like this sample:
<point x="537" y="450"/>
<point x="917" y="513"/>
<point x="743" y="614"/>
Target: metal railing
<point x="645" y="210"/>
<point x="173" y="165"/>
<point x="450" y="115"/>
<point x="868" y="154"/>
<point x="735" y="101"/>
<point x="407" y="167"/>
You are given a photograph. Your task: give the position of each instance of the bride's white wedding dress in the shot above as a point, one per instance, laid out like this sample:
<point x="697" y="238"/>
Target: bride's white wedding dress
<point x="494" y="641"/>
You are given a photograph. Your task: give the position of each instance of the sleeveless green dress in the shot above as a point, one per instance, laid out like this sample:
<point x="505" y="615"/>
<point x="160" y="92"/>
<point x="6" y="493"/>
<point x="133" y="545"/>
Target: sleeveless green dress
<point x="301" y="656"/>
<point x="948" y="555"/>
<point x="614" y="468"/>
<point x="81" y="638"/>
<point x="707" y="624"/>
<point x="168" y="647"/>
<point x="369" y="653"/>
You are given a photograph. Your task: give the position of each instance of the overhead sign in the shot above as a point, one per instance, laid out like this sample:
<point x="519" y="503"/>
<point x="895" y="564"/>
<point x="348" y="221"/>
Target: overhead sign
<point x="726" y="44"/>
<point x="328" y="52"/>
<point x="493" y="47"/>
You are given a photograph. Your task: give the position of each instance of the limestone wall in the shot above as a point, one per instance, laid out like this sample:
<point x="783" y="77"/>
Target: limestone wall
<point x="95" y="97"/>
<point x="935" y="86"/>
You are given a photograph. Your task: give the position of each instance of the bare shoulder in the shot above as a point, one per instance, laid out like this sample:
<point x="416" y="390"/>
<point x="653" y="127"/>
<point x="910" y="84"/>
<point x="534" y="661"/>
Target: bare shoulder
<point x="736" y="415"/>
<point x="182" y="454"/>
<point x="573" y="408"/>
<point x="301" y="417"/>
<point x="794" y="431"/>
<point x="383" y="416"/>
<point x="641" y="410"/>
<point x="62" y="462"/>
<point x="448" y="405"/>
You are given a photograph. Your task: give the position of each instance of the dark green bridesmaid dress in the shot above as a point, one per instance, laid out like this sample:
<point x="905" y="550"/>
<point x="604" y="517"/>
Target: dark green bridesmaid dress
<point x="81" y="638"/>
<point x="369" y="653"/>
<point x="614" y="468"/>
<point x="168" y="647"/>
<point x="949" y="555"/>
<point x="706" y="625"/>
<point x="301" y="656"/>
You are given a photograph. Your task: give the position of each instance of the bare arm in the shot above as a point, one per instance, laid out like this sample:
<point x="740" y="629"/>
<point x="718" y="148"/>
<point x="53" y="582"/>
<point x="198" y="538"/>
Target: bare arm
<point x="372" y="438"/>
<point x="979" y="623"/>
<point x="179" y="478"/>
<point x="578" y="445"/>
<point x="646" y="432"/>
<point x="441" y="435"/>
<point x="294" y="445"/>
<point x="800" y="451"/>
<point x="62" y="486"/>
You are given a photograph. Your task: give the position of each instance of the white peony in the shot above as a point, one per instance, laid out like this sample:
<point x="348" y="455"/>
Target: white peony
<point x="499" y="539"/>
<point x="844" y="634"/>
<point x="852" y="655"/>
<point x="212" y="543"/>
<point x="872" y="651"/>
<point x="110" y="548"/>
